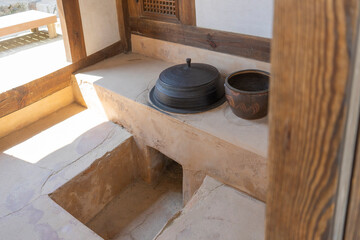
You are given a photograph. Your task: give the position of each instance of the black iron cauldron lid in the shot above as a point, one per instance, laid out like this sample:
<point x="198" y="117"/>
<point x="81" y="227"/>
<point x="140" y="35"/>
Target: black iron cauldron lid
<point x="189" y="75"/>
<point x="188" y="88"/>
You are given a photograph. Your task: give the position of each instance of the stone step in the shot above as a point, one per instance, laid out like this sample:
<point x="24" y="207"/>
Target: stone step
<point x="37" y="160"/>
<point x="217" y="211"/>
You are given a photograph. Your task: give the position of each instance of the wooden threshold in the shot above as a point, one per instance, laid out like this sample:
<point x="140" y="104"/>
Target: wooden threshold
<point x="253" y="47"/>
<point x="22" y="96"/>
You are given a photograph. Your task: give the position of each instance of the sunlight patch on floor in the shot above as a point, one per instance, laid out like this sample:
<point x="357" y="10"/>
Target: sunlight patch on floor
<point x="55" y="137"/>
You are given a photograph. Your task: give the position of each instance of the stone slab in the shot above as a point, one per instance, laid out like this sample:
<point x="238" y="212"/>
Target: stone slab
<point x="43" y="219"/>
<point x="217" y="212"/>
<point x="21" y="183"/>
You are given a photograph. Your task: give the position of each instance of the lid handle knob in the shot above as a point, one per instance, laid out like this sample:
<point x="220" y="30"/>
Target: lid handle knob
<point x="188" y="61"/>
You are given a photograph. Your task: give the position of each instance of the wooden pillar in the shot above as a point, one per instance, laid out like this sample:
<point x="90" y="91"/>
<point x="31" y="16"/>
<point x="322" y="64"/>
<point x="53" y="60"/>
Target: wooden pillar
<point x="71" y="25"/>
<point x="187" y="13"/>
<point x="124" y="26"/>
<point x="313" y="51"/>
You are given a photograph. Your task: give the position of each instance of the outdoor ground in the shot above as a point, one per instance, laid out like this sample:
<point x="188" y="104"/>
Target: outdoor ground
<point x="14" y="6"/>
<point x="26" y="56"/>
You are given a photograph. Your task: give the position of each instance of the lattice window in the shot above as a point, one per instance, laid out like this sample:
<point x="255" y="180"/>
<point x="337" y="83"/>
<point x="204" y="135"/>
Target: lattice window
<point x="162" y="7"/>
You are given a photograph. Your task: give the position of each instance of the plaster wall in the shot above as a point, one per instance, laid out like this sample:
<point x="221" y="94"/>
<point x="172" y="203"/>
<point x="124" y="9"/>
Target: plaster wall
<point x="100" y="24"/>
<point x="239" y="16"/>
<point x="177" y="53"/>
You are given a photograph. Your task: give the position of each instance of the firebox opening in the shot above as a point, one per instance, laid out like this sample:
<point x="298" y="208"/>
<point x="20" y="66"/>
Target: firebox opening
<point x="141" y="210"/>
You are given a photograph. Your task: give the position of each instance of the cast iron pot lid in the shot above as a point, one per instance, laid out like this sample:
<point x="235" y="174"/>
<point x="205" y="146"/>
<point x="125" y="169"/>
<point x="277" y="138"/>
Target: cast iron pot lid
<point x="188" y="88"/>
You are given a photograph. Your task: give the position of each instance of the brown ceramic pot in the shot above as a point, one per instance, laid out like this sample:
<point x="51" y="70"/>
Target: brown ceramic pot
<point x="247" y="93"/>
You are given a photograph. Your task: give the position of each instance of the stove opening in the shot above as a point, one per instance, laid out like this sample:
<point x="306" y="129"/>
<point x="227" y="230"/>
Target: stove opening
<point x="141" y="210"/>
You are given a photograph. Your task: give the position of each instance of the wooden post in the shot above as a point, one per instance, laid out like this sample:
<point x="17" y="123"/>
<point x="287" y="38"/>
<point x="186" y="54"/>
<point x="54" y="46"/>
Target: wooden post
<point x="187" y="12"/>
<point x="313" y="52"/>
<point x="71" y="25"/>
<point x="124" y="27"/>
<point x="52" y="30"/>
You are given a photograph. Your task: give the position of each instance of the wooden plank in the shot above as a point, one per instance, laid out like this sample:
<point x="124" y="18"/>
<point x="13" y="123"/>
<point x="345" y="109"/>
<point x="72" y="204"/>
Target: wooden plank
<point x="72" y="26"/>
<point x="38" y="89"/>
<point x="124" y="27"/>
<point x="353" y="217"/>
<point x="312" y="48"/>
<point x="187" y="13"/>
<point x="231" y="43"/>
<point x="24" y="21"/>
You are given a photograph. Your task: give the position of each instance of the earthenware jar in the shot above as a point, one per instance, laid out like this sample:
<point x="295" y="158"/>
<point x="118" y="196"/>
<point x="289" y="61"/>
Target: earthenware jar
<point x="247" y="93"/>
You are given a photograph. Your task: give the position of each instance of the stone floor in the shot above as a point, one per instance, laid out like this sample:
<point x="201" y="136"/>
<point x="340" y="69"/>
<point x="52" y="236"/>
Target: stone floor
<point x="141" y="210"/>
<point x="217" y="212"/>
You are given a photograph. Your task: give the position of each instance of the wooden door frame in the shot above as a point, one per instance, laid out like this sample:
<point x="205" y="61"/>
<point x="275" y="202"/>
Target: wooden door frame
<point x="72" y="29"/>
<point x="313" y="118"/>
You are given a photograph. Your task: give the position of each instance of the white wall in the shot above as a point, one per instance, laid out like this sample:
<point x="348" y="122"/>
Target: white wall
<point x="252" y="17"/>
<point x="100" y="24"/>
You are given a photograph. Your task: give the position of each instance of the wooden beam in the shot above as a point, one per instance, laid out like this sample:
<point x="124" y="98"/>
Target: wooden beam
<point x="312" y="48"/>
<point x="20" y="97"/>
<point x="187" y="13"/>
<point x="71" y="24"/>
<point x="231" y="43"/>
<point x="124" y="27"/>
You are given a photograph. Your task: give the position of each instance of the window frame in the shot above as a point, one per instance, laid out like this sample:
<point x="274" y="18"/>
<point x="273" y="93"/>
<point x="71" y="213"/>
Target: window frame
<point x="161" y="17"/>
